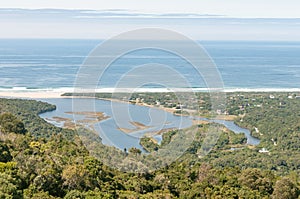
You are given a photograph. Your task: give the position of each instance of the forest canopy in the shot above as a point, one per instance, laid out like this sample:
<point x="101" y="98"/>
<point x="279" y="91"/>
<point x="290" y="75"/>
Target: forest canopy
<point x="39" y="160"/>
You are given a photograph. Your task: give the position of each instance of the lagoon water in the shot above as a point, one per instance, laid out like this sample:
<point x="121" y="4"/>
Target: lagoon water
<point x="108" y="129"/>
<point x="237" y="129"/>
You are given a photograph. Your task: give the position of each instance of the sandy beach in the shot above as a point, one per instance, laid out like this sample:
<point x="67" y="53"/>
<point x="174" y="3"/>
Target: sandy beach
<point x="20" y="92"/>
<point x="31" y="94"/>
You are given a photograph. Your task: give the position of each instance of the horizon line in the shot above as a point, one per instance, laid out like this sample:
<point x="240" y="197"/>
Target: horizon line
<point x="104" y="39"/>
<point x="119" y="13"/>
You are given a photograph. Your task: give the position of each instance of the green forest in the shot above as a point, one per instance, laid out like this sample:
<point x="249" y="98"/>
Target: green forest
<point x="40" y="160"/>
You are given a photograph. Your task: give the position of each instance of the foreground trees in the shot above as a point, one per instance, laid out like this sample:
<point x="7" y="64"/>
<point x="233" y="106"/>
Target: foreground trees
<point x="10" y="124"/>
<point x="285" y="189"/>
<point x="57" y="165"/>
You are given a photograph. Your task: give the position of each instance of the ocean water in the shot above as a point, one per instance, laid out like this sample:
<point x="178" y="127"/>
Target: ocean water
<point x="53" y="64"/>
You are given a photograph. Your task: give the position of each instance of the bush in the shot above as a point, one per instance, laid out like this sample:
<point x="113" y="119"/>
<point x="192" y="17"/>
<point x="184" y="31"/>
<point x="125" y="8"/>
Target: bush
<point x="5" y="155"/>
<point x="10" y="124"/>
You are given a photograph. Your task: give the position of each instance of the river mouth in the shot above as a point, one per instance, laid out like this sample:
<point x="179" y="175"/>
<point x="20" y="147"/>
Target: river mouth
<point x="123" y="131"/>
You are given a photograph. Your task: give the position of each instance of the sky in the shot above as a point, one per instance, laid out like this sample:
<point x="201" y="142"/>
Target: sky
<point x="198" y="19"/>
<point x="231" y="8"/>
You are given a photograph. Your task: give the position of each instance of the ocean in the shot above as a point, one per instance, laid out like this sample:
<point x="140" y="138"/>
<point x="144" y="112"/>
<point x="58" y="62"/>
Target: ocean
<point x="54" y="63"/>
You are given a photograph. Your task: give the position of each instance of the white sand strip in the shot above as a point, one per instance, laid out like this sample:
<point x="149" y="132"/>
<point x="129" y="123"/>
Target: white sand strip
<point x="31" y="94"/>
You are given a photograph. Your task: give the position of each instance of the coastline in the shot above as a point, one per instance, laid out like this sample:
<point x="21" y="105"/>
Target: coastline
<point x="58" y="94"/>
<point x="32" y="94"/>
<point x="24" y="92"/>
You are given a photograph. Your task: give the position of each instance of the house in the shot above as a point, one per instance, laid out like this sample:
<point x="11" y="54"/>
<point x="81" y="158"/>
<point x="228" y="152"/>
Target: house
<point x="263" y="150"/>
<point x="137" y="100"/>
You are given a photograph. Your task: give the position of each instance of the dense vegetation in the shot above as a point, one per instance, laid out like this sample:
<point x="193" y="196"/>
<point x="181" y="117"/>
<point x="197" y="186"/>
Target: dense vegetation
<point x="38" y="160"/>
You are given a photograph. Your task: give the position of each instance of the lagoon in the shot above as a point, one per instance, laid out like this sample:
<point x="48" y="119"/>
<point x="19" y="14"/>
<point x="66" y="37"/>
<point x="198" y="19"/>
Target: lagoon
<point x="124" y="116"/>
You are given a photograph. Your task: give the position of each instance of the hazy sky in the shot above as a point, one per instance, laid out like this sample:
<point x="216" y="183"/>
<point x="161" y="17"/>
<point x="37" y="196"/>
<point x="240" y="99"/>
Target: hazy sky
<point x="231" y="8"/>
<point x="198" y="19"/>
